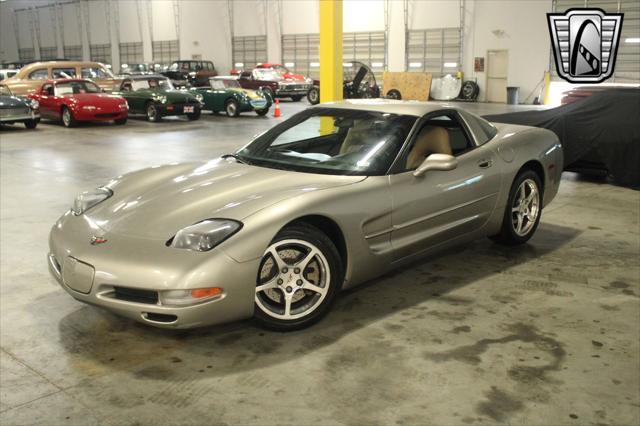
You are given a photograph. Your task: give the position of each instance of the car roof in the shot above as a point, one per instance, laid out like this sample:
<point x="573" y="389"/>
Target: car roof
<point x="144" y="77"/>
<point x="65" y="80"/>
<point x="416" y="108"/>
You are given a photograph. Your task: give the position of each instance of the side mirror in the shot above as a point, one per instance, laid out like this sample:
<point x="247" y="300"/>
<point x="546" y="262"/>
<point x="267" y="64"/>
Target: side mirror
<point x="441" y="162"/>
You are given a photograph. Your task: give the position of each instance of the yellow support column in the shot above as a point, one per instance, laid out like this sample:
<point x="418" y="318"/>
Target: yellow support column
<point x="330" y="50"/>
<point x="547" y="85"/>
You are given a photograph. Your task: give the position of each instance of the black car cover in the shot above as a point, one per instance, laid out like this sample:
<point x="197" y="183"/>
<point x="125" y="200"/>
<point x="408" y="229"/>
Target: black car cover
<point x="605" y="126"/>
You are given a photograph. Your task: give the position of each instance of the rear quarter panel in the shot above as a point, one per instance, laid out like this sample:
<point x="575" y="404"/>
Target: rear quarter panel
<point x="518" y="145"/>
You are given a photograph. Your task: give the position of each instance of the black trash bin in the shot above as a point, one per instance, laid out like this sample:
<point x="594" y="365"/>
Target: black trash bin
<point x="512" y="95"/>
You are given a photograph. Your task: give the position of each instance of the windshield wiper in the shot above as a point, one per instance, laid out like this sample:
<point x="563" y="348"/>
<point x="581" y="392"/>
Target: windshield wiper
<point x="235" y="157"/>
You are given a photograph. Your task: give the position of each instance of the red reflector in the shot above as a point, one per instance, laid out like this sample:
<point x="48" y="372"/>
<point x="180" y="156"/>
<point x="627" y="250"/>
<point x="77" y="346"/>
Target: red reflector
<point x="169" y="107"/>
<point x="199" y="293"/>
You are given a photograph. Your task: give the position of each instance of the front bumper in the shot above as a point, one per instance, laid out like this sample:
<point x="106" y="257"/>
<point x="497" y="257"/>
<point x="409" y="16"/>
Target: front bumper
<point x="95" y="274"/>
<point x="178" y="109"/>
<point x="12" y="117"/>
<point x="100" y="115"/>
<point x="300" y="90"/>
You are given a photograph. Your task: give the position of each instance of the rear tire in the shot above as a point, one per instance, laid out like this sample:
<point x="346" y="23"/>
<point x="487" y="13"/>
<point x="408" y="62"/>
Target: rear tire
<point x="523" y="210"/>
<point x="194" y="116"/>
<point x="31" y="124"/>
<point x="297" y="289"/>
<point x="153" y="115"/>
<point x="67" y="117"/>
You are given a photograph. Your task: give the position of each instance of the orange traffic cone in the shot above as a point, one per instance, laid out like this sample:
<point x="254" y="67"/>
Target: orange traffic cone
<point x="276" y="112"/>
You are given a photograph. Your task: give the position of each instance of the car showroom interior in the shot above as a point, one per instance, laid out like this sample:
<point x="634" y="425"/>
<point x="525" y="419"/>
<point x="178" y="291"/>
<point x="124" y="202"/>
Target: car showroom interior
<point x="320" y="212"/>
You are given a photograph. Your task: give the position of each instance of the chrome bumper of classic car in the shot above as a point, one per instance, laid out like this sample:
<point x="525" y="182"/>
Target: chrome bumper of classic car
<point x="18" y="114"/>
<point x="259" y="104"/>
<point x="293" y="89"/>
<point x="109" y="277"/>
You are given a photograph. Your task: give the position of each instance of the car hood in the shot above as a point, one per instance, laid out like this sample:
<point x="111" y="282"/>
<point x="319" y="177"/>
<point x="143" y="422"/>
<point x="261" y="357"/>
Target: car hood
<point x="172" y="95"/>
<point x="101" y="99"/>
<point x="252" y="94"/>
<point x="11" y="101"/>
<point x="155" y="203"/>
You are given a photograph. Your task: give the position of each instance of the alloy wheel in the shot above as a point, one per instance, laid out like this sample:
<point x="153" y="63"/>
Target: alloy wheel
<point x="152" y="112"/>
<point x="66" y="117"/>
<point x="293" y="280"/>
<point x="525" y="208"/>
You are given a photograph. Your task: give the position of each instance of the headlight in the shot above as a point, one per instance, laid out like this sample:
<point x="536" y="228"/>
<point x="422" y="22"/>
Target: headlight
<point x="308" y="80"/>
<point x="124" y="106"/>
<point x="35" y="104"/>
<point x="199" y="97"/>
<point x="88" y="199"/>
<point x="205" y="235"/>
<point x="161" y="99"/>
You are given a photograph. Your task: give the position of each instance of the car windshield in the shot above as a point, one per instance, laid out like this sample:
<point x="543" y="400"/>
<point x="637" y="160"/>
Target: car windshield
<point x="151" y="83"/>
<point x="76" y="88"/>
<point x="221" y="84"/>
<point x="332" y="141"/>
<point x="4" y="91"/>
<point x="266" y="74"/>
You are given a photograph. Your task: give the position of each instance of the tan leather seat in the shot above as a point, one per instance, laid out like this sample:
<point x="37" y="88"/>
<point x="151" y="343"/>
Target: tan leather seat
<point x="356" y="137"/>
<point x="430" y="140"/>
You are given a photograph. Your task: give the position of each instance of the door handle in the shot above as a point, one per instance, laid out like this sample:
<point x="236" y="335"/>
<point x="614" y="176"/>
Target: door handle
<point x="485" y="164"/>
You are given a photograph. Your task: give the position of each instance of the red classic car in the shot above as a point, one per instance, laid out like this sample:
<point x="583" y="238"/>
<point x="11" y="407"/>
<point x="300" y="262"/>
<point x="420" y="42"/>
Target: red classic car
<point x="73" y="100"/>
<point x="284" y="71"/>
<point x="273" y="83"/>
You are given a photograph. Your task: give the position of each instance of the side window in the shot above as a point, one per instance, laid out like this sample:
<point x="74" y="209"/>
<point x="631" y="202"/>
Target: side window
<point x="93" y="72"/>
<point x="210" y="66"/>
<point x="63" y="73"/>
<point x="40" y="74"/>
<point x="439" y="134"/>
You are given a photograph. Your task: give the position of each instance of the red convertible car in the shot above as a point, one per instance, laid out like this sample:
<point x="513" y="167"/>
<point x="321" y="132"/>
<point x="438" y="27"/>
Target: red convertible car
<point x="73" y="100"/>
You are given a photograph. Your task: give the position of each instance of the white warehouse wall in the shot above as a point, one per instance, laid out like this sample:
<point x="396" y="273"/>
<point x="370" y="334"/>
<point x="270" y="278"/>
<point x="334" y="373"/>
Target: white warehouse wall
<point x="205" y="28"/>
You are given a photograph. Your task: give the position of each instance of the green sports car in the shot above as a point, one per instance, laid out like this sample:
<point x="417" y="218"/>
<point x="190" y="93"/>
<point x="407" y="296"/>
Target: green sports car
<point x="155" y="96"/>
<point x="225" y="94"/>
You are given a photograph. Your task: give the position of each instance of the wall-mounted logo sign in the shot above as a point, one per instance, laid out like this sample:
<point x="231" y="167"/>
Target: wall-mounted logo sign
<point x="585" y="43"/>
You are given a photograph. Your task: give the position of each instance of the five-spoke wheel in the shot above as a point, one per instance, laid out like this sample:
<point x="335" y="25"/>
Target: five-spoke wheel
<point x="299" y="275"/>
<point x="522" y="213"/>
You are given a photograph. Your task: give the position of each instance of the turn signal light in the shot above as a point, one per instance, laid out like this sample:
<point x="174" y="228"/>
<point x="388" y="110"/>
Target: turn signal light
<point x="199" y="293"/>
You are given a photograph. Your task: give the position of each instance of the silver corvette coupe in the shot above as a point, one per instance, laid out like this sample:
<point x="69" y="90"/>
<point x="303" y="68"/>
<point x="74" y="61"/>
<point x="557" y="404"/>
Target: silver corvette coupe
<point x="336" y="195"/>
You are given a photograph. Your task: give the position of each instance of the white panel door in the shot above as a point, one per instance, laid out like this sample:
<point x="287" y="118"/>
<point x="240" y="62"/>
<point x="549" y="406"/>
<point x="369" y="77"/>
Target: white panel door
<point x="497" y="65"/>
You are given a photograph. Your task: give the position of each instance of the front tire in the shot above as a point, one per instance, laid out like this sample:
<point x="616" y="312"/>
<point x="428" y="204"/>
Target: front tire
<point x="296" y="98"/>
<point x="300" y="274"/>
<point x="523" y="211"/>
<point x="231" y="108"/>
<point x="262" y="112"/>
<point x="121" y="121"/>
<point x="313" y="96"/>
<point x="31" y="124"/>
<point x="67" y="117"/>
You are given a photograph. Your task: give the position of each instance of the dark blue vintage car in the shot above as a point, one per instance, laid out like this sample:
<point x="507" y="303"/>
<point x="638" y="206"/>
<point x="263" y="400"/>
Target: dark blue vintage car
<point x="16" y="109"/>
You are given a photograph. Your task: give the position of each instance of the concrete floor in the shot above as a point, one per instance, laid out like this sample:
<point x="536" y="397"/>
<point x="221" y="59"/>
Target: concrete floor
<point x="547" y="333"/>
